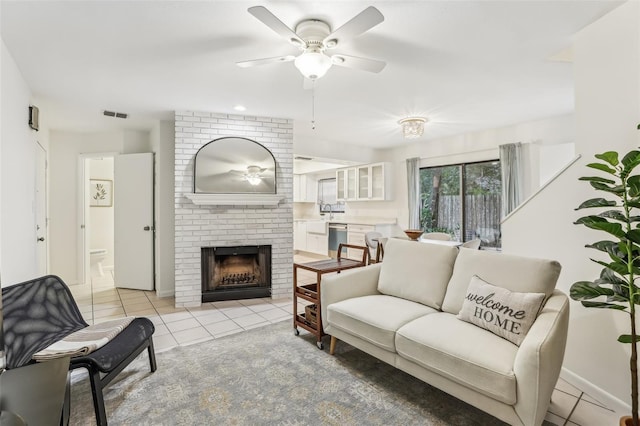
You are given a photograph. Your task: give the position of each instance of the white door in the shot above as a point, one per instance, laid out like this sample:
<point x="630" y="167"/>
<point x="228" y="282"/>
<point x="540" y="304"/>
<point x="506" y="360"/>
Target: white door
<point x="133" y="221"/>
<point x="41" y="211"/>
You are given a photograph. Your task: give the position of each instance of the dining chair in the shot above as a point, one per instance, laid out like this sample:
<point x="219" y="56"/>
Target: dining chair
<point x="380" y="249"/>
<point x="442" y="236"/>
<point x="371" y="238"/>
<point x="472" y="244"/>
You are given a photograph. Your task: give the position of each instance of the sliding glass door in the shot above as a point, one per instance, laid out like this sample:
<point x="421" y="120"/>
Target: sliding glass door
<point x="462" y="200"/>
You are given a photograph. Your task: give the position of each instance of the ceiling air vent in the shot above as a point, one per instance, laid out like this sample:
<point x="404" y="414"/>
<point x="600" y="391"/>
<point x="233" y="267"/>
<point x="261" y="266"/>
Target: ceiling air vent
<point x="115" y="114"/>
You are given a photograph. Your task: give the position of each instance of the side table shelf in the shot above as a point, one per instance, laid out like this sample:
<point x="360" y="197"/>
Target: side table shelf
<point x="311" y="292"/>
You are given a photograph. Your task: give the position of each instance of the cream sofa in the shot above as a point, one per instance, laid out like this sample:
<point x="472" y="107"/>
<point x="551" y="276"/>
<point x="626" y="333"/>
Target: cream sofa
<point x="403" y="311"/>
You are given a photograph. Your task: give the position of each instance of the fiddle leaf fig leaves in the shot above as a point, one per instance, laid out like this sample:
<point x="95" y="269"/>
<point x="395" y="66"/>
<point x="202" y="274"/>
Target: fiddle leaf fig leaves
<point x="596" y="202"/>
<point x="602" y="167"/>
<point x="602" y="224"/>
<point x="633" y="183"/>
<point x="627" y="338"/>
<point x="610" y="157"/>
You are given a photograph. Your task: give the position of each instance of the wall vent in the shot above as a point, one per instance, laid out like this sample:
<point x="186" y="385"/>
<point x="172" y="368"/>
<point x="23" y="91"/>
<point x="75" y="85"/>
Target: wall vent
<point x="115" y="114"/>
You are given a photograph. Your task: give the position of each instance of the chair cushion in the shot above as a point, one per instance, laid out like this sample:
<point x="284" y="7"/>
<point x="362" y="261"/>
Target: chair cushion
<point x="113" y="353"/>
<point x="515" y="273"/>
<point x="462" y="352"/>
<point x="416" y="271"/>
<point x="375" y="318"/>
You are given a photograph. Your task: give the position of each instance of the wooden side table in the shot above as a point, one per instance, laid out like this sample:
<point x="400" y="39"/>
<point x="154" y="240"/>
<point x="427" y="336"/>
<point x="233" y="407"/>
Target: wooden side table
<point x="311" y="292"/>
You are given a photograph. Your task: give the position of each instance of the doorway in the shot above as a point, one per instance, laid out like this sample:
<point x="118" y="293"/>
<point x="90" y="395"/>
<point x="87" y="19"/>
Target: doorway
<point x="116" y="219"/>
<point x="97" y="245"/>
<point x="42" y="223"/>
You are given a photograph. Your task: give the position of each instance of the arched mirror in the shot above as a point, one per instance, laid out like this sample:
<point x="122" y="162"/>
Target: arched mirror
<point x="234" y="166"/>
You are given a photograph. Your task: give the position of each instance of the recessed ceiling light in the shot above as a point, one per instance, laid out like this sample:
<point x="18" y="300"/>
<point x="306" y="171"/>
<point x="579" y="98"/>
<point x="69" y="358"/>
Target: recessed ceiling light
<point x="240" y="108"/>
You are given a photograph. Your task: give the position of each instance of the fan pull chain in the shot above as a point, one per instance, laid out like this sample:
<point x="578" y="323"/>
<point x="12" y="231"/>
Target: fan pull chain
<point x="313" y="105"/>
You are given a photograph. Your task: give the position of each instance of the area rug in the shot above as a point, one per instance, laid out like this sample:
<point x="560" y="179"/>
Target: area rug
<point x="268" y="376"/>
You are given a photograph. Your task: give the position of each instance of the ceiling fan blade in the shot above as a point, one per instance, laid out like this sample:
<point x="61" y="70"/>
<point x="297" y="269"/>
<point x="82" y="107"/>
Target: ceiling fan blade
<point x="271" y="21"/>
<point x="264" y="61"/>
<point x="365" y="20"/>
<point x="365" y="64"/>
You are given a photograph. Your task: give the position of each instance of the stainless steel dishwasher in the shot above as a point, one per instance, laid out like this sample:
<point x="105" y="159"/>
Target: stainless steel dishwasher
<point x="337" y="236"/>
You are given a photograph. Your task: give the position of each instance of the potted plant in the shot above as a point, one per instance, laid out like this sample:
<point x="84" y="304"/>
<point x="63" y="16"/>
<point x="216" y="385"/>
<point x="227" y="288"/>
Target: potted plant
<point x="616" y="288"/>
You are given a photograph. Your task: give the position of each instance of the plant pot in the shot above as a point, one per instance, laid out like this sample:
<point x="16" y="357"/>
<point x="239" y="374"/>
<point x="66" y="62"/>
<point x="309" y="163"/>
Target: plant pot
<point x="626" y="421"/>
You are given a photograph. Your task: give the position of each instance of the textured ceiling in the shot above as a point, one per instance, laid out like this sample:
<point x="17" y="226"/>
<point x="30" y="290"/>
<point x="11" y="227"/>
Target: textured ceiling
<point x="466" y="65"/>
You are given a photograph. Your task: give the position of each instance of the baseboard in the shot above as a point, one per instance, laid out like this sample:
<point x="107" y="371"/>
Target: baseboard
<point x="165" y="293"/>
<point x="594" y="391"/>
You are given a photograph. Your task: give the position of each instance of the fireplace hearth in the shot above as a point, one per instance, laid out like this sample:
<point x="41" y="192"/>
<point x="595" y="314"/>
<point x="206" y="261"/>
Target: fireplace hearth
<point x="240" y="272"/>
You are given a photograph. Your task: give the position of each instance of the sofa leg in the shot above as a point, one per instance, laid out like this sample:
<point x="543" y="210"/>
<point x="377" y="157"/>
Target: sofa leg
<point x="332" y="345"/>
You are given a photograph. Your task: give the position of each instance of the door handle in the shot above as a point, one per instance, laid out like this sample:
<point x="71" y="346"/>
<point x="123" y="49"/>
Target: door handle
<point x="41" y="239"/>
<point x="147" y="228"/>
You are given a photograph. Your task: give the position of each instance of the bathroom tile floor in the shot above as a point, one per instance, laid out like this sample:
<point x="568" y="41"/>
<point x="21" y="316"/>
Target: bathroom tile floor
<point x="101" y="301"/>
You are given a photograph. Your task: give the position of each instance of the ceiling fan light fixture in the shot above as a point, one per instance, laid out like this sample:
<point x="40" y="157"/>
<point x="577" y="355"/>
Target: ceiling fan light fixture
<point x="313" y="65"/>
<point x="253" y="175"/>
<point x="412" y="127"/>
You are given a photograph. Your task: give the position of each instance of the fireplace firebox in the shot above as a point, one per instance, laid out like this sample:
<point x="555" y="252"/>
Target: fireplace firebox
<point x="231" y="273"/>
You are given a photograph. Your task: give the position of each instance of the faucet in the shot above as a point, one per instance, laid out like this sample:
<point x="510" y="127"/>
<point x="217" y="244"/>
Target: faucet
<point x="325" y="206"/>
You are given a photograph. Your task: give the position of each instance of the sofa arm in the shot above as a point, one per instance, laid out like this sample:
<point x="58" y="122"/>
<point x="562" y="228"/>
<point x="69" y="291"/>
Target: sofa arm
<point x="346" y="285"/>
<point x="539" y="359"/>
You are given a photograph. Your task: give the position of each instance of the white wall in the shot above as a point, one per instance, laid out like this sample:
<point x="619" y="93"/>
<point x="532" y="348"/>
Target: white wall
<point x="163" y="142"/>
<point x="101" y="217"/>
<point x="17" y="179"/>
<point x="469" y="147"/>
<point x="607" y="85"/>
<point x="65" y="150"/>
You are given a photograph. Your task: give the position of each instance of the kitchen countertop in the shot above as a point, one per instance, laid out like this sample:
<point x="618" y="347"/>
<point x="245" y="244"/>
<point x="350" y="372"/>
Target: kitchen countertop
<point x="351" y="220"/>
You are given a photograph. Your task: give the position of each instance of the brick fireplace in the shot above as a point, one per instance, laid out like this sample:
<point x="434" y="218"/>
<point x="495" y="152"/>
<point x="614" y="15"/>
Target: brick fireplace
<point x="198" y="226"/>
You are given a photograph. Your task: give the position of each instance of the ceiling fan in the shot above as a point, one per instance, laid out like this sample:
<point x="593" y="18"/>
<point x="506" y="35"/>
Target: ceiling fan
<point x="314" y="37"/>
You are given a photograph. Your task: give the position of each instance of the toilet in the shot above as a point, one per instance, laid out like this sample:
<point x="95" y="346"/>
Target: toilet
<point x="96" y="257"/>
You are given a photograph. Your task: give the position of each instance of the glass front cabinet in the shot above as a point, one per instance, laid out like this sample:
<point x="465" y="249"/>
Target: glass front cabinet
<point x="368" y="182"/>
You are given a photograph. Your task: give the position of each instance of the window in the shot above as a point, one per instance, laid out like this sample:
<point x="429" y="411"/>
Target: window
<point x="327" y="197"/>
<point x="463" y="200"/>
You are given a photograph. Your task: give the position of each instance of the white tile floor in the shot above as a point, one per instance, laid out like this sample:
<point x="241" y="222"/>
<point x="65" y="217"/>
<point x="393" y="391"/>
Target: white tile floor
<point x="102" y="301"/>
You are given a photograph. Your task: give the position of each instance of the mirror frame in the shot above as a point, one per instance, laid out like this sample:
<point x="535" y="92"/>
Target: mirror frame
<point x="249" y="162"/>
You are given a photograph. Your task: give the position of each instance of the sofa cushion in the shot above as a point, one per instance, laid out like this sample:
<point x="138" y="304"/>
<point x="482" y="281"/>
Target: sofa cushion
<point x="375" y="318"/>
<point x="416" y="271"/>
<point x="515" y="273"/>
<point x="461" y="352"/>
<point x="505" y="313"/>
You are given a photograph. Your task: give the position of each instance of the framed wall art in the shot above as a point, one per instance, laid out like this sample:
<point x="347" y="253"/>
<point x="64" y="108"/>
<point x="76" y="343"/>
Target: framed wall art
<point x="100" y="193"/>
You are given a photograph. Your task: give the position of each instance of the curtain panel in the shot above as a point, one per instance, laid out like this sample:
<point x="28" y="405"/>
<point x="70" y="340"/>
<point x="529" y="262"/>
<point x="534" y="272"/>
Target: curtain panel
<point x="511" y="165"/>
<point x="413" y="188"/>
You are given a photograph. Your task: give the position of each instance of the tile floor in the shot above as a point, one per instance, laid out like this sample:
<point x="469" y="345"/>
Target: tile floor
<point x="102" y="301"/>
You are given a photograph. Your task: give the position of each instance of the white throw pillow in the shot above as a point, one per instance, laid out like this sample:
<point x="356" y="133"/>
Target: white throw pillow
<point x="505" y="313"/>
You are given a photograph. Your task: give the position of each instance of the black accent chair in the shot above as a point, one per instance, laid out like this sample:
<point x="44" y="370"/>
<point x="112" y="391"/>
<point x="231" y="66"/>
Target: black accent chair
<point x="42" y="311"/>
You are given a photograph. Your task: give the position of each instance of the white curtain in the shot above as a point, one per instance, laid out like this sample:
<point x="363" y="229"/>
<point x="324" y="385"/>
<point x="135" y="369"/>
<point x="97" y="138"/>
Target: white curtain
<point x="413" y="186"/>
<point x="511" y="166"/>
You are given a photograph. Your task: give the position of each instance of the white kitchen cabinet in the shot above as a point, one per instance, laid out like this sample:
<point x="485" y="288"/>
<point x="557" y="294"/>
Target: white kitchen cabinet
<point x="346" y="184"/>
<point x="368" y="182"/>
<point x="305" y="189"/>
<point x="317" y="237"/>
<point x="355" y="235"/>
<point x="374" y="182"/>
<point x="341" y="184"/>
<point x="318" y="243"/>
<point x="300" y="235"/>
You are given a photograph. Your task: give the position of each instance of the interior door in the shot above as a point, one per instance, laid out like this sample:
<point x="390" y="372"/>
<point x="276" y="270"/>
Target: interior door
<point x="41" y="211"/>
<point x="133" y="221"/>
